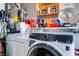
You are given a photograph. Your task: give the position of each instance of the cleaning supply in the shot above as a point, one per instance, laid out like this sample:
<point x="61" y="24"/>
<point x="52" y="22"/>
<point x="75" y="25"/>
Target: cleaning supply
<point x="57" y="8"/>
<point x="39" y="22"/>
<point x="11" y="23"/>
<point x="53" y="22"/>
<point x="49" y="22"/>
<point x="49" y="10"/>
<point x="18" y="26"/>
<point x="22" y="27"/>
<point x="32" y="23"/>
<point x="15" y="19"/>
<point x="26" y="21"/>
<point x="59" y="23"/>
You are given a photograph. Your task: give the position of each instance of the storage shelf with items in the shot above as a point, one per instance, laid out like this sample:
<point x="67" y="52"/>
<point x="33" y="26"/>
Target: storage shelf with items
<point x="16" y="16"/>
<point x="47" y="14"/>
<point x="47" y="9"/>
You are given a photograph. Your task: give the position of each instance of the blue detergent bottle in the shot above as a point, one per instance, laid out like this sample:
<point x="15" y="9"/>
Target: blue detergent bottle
<point x="59" y="23"/>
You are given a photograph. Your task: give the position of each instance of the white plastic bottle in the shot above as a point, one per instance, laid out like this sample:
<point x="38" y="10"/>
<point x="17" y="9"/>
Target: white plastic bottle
<point x="49" y="10"/>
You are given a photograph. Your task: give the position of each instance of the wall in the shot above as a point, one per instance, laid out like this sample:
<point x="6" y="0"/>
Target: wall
<point x="2" y="6"/>
<point x="78" y="11"/>
<point x="66" y="5"/>
<point x="31" y="9"/>
<point x="70" y="5"/>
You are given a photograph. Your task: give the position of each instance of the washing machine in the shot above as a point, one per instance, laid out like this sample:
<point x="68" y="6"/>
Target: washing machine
<point x="16" y="44"/>
<point x="77" y="44"/>
<point x="44" y="42"/>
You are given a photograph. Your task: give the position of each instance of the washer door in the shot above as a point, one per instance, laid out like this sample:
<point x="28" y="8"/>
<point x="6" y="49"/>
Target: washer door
<point x="43" y="50"/>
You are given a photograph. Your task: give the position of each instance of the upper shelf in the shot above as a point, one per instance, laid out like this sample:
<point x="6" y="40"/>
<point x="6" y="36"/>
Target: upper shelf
<point x="47" y="9"/>
<point x="52" y="14"/>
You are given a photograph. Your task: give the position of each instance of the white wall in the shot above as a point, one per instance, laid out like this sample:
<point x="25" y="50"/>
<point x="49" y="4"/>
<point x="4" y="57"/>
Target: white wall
<point x="31" y="9"/>
<point x="66" y="5"/>
<point x="2" y="6"/>
<point x="78" y="12"/>
<point x="70" y="5"/>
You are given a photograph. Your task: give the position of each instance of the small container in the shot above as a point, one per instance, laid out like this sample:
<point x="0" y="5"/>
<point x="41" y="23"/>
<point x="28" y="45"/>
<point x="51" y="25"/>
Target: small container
<point x="15" y="19"/>
<point x="37" y="11"/>
<point x="18" y="27"/>
<point x="49" y="10"/>
<point x="44" y="11"/>
<point x="57" y="8"/>
<point x="11" y="23"/>
<point x="22" y="27"/>
<point x="40" y="11"/>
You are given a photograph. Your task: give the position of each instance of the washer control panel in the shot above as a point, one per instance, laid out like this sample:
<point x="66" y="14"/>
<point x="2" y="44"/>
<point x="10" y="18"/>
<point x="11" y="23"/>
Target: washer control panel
<point x="53" y="37"/>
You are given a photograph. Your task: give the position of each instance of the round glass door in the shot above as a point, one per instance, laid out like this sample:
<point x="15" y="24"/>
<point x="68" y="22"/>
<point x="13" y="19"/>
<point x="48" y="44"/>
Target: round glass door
<point x="43" y="50"/>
